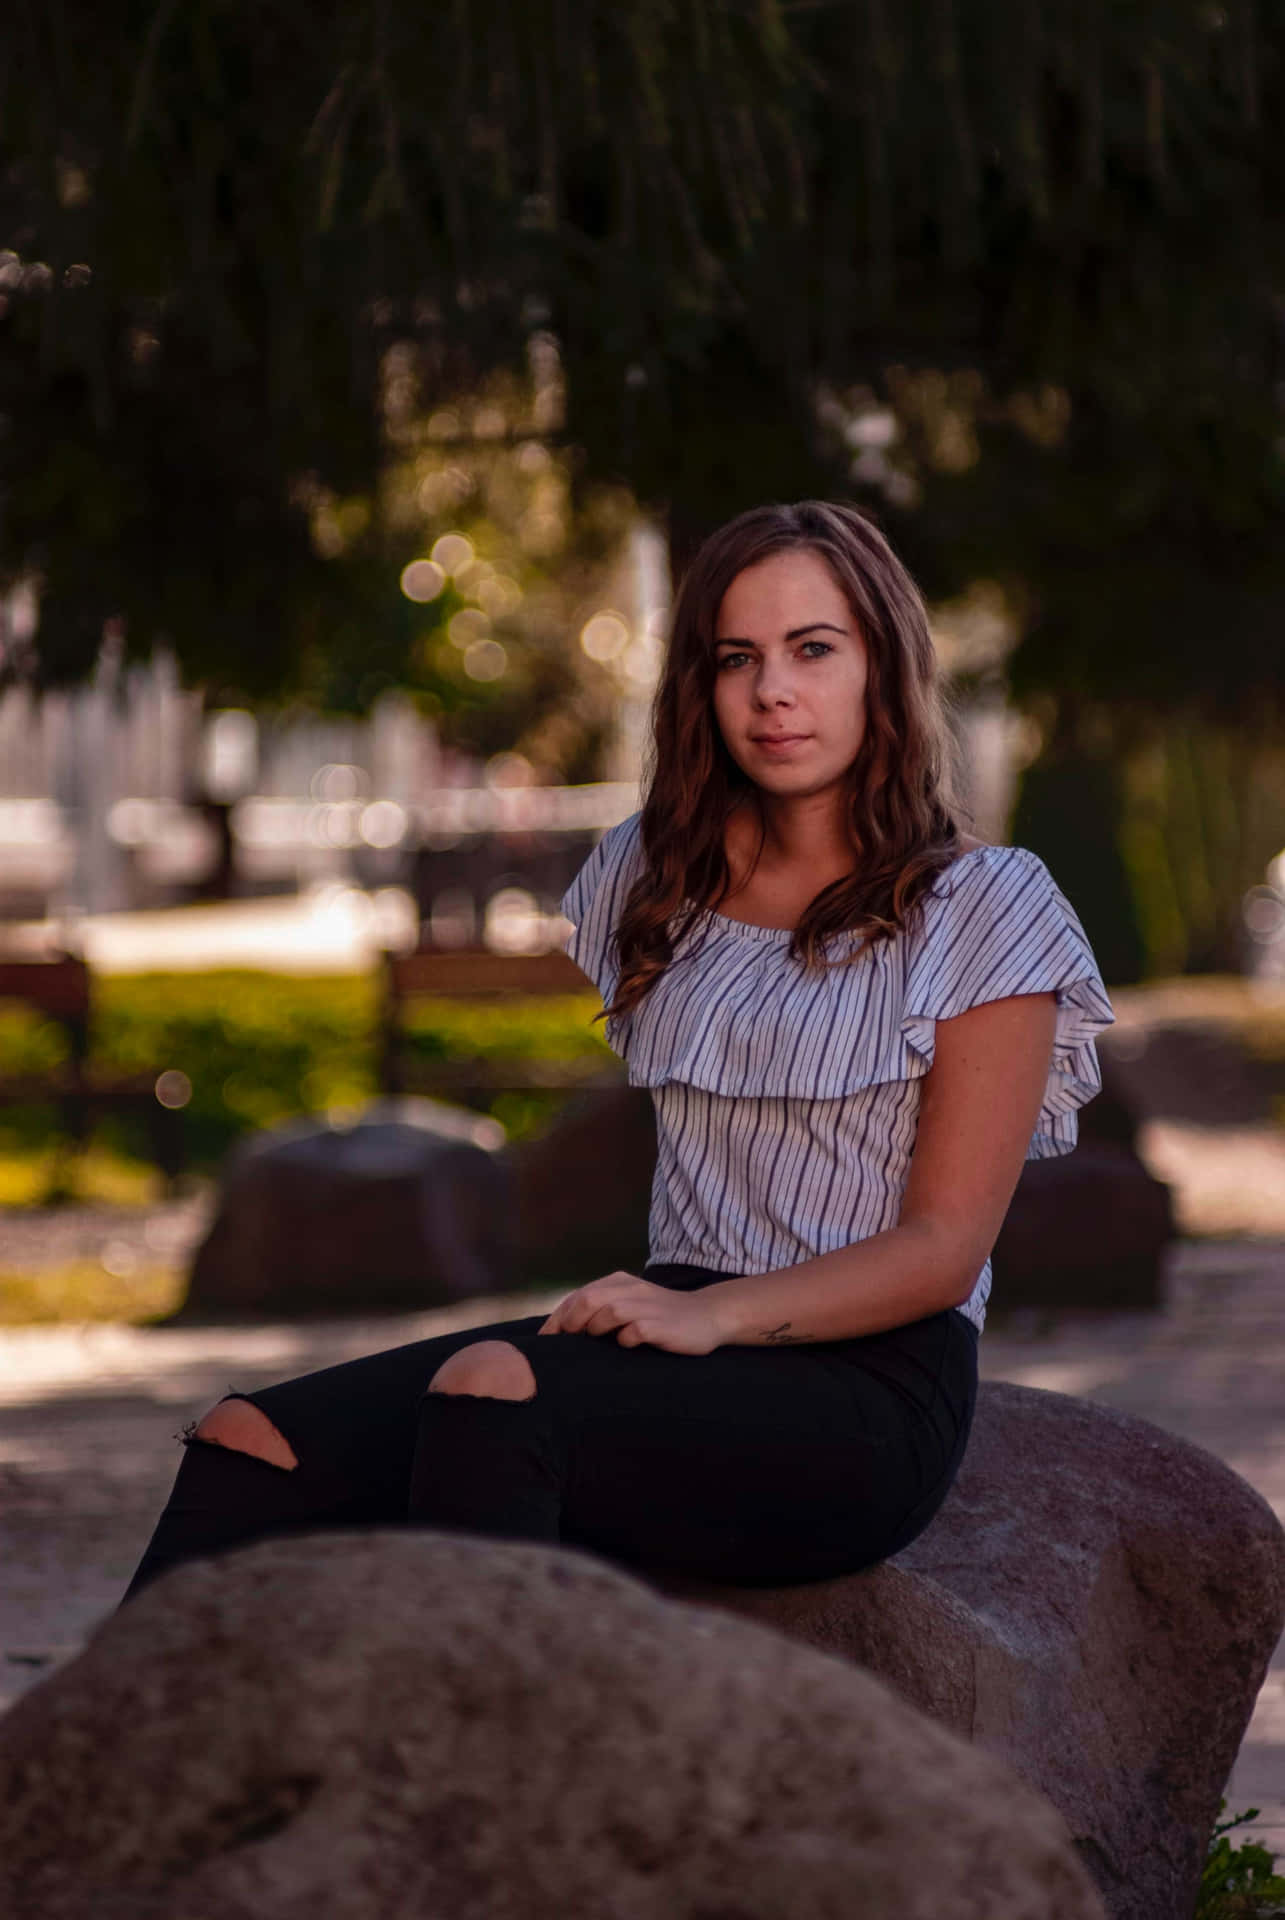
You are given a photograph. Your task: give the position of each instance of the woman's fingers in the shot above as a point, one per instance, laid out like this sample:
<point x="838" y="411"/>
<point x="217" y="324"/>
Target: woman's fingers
<point x="600" y="1306"/>
<point x="607" y="1318"/>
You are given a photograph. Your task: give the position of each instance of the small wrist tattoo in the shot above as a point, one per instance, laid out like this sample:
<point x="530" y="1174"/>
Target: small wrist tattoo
<point x="781" y="1336"/>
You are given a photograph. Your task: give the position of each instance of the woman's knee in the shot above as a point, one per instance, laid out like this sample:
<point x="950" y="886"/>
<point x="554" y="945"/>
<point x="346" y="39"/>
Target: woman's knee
<point x="491" y="1369"/>
<point x="238" y="1425"/>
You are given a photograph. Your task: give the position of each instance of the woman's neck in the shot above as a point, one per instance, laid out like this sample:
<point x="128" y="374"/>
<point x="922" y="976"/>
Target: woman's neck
<point x="803" y="850"/>
<point x="806" y="835"/>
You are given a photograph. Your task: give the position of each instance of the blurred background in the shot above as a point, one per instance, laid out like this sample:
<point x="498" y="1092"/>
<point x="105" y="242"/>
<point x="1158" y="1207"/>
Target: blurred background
<point x="367" y="376"/>
<point x="368" y="373"/>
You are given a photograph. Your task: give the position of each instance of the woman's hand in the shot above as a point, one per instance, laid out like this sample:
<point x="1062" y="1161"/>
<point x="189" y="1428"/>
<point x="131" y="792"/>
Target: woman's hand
<point x="640" y="1314"/>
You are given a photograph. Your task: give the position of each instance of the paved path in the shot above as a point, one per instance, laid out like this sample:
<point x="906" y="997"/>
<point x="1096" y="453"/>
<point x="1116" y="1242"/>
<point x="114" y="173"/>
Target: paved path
<point x="89" y="1417"/>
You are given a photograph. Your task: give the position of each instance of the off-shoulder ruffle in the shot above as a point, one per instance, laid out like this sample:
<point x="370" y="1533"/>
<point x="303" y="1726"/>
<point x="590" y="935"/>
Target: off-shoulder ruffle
<point x="735" y="1015"/>
<point x="996" y="924"/>
<point x="595" y="900"/>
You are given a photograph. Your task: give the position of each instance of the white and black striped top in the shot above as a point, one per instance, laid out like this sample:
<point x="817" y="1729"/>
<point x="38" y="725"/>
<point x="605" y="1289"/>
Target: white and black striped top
<point x="787" y="1102"/>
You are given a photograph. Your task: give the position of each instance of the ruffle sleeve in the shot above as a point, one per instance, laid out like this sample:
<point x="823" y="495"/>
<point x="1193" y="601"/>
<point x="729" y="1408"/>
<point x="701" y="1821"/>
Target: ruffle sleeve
<point x="993" y="925"/>
<point x="595" y="899"/>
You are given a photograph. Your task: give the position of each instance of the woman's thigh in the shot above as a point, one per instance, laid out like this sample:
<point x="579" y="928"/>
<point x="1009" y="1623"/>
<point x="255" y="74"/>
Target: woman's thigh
<point x="755" y="1464"/>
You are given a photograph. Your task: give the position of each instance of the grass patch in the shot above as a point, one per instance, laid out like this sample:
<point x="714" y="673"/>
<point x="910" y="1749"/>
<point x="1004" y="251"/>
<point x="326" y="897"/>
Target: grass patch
<point x="84" y="1290"/>
<point x="259" y="1048"/>
<point x="1238" y="1881"/>
<point x="34" y="1175"/>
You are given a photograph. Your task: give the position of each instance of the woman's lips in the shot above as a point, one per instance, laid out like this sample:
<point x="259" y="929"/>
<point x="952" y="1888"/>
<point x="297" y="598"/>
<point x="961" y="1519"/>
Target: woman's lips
<point x="779" y="742"/>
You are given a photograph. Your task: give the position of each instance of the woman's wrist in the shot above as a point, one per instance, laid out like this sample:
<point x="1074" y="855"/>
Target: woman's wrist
<point x="738" y="1325"/>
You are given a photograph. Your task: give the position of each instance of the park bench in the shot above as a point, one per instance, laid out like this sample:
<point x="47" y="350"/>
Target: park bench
<point x="59" y="986"/>
<point x="477" y="973"/>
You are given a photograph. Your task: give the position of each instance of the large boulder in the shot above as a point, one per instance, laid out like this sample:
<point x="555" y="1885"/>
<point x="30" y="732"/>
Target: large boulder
<point x="583" y="1188"/>
<point x="1088" y="1229"/>
<point x="409" y="1206"/>
<point x="395" y="1724"/>
<point x="1097" y="1602"/>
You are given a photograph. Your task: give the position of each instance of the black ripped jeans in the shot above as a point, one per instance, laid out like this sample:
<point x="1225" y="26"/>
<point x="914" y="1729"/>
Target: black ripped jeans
<point x="758" y="1466"/>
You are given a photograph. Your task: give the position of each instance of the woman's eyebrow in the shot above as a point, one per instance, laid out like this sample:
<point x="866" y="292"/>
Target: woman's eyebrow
<point x="795" y="633"/>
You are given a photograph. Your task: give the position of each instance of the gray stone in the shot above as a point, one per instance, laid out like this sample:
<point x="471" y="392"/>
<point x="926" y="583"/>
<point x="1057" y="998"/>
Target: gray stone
<point x="584" y="1187"/>
<point x="391" y="1725"/>
<point x="1088" y="1229"/>
<point x="1096" y="1602"/>
<point x="410" y="1206"/>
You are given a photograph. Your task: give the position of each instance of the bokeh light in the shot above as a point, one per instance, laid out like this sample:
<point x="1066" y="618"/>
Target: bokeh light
<point x="486" y="660"/>
<point x="605" y="636"/>
<point x="383" y="824"/>
<point x="423" y="580"/>
<point x="498" y="595"/>
<point x="508" y="770"/>
<point x="173" y="1088"/>
<point x="514" y="922"/>
<point x="452" y="552"/>
<point x="468" y="626"/>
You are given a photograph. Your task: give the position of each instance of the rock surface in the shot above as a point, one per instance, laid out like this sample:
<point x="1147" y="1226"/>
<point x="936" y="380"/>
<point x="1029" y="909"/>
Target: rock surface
<point x="1088" y="1229"/>
<point x="1096" y="1602"/>
<point x="583" y="1188"/>
<point x="399" y="1724"/>
<point x="409" y="1207"/>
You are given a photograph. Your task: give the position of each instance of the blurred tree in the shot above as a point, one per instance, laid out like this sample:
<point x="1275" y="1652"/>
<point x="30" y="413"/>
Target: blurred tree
<point x="1011" y="273"/>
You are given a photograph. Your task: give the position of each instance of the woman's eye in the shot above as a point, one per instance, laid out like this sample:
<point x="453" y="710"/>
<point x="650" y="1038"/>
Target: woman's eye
<point x="735" y="660"/>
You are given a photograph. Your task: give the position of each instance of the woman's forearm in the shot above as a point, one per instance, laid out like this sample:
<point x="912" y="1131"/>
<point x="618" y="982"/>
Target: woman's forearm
<point x="894" y="1277"/>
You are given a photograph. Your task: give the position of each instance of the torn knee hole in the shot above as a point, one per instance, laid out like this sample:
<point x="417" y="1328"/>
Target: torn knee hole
<point x="237" y="1425"/>
<point x="459" y="1393"/>
<point x="487" y="1370"/>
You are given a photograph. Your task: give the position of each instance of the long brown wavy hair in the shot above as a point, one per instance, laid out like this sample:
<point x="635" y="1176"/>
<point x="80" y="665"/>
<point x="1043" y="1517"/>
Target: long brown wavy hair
<point x="901" y="815"/>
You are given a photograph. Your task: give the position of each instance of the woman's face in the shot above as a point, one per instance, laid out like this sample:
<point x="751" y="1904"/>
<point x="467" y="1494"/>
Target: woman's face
<point x="790" y="675"/>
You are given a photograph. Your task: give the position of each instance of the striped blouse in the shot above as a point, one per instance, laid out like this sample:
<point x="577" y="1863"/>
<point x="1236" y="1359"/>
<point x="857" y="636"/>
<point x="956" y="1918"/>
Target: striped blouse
<point x="787" y="1103"/>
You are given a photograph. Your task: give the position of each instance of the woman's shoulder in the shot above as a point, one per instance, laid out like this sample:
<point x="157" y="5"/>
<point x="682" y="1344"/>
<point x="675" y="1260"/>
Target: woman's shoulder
<point x="982" y="866"/>
<point x="619" y="847"/>
<point x="989" y="923"/>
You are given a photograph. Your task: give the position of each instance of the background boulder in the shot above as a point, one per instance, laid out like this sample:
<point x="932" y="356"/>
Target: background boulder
<point x="583" y="1188"/>
<point x="1088" y="1229"/>
<point x="410" y="1206"/>
<point x="413" y="1723"/>
<point x="1097" y="1602"/>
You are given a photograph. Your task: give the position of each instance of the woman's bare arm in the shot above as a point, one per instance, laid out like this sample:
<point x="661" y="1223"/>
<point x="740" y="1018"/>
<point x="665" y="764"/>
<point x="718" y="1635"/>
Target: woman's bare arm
<point x="978" y="1107"/>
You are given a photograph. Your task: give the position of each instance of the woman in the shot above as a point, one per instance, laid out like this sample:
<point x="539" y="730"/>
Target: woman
<point x="855" y="1023"/>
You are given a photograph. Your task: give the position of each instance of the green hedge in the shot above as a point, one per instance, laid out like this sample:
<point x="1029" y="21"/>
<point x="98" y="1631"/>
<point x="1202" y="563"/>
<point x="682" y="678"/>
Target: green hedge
<point x="258" y="1047"/>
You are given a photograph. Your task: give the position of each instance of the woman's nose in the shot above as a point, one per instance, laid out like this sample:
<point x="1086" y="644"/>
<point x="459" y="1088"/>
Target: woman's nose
<point x="773" y="686"/>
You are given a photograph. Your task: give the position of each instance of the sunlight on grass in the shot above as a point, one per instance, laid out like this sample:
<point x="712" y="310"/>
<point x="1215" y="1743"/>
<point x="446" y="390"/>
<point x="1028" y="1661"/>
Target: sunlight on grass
<point x="41" y="1177"/>
<point x="84" y="1290"/>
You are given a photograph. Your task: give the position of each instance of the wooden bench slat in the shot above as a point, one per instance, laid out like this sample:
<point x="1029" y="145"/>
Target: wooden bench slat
<point x="474" y="972"/>
<point x="59" y="987"/>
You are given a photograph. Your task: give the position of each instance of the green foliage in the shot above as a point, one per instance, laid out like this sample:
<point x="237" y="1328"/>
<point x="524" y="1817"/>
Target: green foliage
<point x="225" y="221"/>
<point x="259" y="1047"/>
<point x="1238" y="1881"/>
<point x="84" y="1290"/>
<point x="1157" y="841"/>
<point x="1068" y="811"/>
